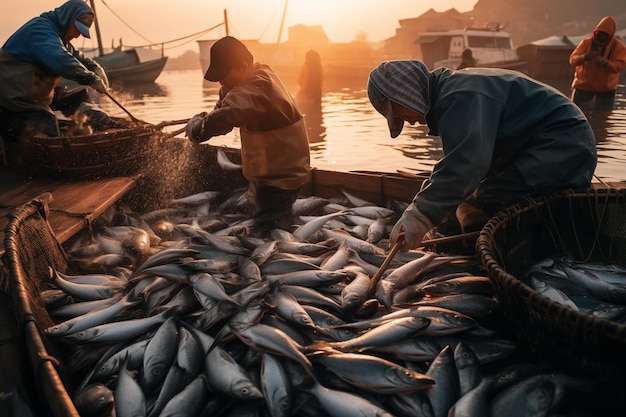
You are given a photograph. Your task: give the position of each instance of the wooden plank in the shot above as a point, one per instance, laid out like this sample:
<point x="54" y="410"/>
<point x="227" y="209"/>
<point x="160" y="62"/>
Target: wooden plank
<point x="73" y="202"/>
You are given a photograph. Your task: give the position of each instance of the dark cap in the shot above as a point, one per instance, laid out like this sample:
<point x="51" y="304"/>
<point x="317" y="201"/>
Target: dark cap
<point x="226" y="54"/>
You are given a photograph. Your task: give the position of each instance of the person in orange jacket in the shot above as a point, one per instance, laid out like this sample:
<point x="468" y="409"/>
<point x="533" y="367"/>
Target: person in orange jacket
<point x="598" y="59"/>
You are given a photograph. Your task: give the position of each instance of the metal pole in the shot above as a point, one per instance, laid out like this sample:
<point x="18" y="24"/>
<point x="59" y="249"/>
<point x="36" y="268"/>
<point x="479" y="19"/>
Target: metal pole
<point x="98" y="37"/>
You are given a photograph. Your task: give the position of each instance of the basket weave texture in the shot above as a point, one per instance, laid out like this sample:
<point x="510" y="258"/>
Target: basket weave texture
<point x="589" y="227"/>
<point x="104" y="154"/>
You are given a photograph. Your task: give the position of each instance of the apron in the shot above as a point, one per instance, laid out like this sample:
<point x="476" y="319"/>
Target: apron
<point x="25" y="86"/>
<point x="278" y="158"/>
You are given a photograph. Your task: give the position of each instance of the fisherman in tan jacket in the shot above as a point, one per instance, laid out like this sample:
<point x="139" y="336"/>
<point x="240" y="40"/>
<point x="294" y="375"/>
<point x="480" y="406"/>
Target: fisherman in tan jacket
<point x="274" y="144"/>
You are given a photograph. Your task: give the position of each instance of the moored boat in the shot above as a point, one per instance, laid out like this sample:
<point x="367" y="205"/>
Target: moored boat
<point x="125" y="66"/>
<point x="490" y="46"/>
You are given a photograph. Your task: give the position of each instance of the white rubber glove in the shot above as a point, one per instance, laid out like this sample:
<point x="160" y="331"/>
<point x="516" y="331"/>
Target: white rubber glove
<point x="414" y="224"/>
<point x="99" y="85"/>
<point x="194" y="127"/>
<point x="99" y="71"/>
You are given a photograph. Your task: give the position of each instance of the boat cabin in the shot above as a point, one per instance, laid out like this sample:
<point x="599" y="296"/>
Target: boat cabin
<point x="444" y="49"/>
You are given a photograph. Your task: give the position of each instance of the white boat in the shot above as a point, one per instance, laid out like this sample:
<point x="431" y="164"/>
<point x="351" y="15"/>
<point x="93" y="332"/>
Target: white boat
<point x="491" y="47"/>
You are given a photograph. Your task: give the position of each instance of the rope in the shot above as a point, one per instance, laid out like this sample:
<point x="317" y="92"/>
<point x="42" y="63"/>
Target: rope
<point x="151" y="43"/>
<point x="124" y="22"/>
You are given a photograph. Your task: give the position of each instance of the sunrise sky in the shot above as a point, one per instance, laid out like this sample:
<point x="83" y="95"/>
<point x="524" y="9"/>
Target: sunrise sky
<point x="154" y="21"/>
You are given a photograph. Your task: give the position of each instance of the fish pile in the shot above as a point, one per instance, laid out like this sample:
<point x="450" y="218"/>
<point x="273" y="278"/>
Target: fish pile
<point x="595" y="288"/>
<point x="183" y="311"/>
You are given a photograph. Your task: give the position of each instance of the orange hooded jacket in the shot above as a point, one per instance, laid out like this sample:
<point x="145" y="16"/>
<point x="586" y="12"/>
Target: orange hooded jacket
<point x="591" y="76"/>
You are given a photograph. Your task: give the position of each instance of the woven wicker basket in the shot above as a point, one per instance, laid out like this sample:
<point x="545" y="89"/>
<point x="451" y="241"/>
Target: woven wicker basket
<point x="31" y="248"/>
<point x="588" y="226"/>
<point x="103" y="154"/>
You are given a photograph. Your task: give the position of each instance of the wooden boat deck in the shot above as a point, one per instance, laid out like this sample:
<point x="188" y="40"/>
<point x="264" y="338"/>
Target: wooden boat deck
<point x="74" y="203"/>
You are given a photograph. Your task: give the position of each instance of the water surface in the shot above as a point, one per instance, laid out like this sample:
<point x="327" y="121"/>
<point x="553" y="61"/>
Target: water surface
<point x="349" y="134"/>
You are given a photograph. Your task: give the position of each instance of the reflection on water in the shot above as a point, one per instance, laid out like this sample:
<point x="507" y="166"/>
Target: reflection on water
<point x="347" y="134"/>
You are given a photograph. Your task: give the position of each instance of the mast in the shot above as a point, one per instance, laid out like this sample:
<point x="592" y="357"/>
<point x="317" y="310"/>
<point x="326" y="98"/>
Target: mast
<point x="226" y="21"/>
<point x="98" y="38"/>
<point x="282" y="21"/>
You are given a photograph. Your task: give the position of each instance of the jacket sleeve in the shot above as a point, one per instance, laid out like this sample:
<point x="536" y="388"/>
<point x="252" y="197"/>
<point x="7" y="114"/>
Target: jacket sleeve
<point x="617" y="60"/>
<point x="468" y="125"/>
<point x="577" y="56"/>
<point x="49" y="50"/>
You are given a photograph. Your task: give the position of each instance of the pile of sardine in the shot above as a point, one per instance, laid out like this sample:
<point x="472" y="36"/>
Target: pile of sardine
<point x="595" y="288"/>
<point x="183" y="311"/>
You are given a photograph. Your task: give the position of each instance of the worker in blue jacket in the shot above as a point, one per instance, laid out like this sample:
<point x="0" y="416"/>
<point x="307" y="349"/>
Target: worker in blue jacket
<point x="32" y="62"/>
<point x="505" y="136"/>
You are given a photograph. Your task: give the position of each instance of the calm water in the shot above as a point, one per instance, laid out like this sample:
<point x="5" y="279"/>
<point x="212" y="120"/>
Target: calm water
<point x="349" y="134"/>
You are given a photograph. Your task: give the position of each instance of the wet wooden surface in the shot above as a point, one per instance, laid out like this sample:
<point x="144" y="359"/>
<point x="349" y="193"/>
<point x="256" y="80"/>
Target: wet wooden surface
<point x="74" y="203"/>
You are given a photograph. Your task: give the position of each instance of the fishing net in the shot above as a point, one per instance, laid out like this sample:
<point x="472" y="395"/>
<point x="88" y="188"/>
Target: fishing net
<point x="30" y="249"/>
<point x="587" y="227"/>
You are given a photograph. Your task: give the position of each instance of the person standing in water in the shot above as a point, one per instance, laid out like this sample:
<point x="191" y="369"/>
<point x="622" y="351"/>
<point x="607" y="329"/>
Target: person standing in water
<point x="598" y="60"/>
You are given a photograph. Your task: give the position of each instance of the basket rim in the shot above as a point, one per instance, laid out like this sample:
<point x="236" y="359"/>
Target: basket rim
<point x="486" y="252"/>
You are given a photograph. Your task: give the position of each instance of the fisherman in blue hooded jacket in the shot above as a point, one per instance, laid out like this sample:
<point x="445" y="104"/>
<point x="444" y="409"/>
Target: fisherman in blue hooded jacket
<point x="33" y="60"/>
<point x="505" y="137"/>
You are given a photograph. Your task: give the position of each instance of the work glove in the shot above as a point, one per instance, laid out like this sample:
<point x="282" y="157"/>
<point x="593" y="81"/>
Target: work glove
<point x="600" y="60"/>
<point x="194" y="127"/>
<point x="414" y="224"/>
<point x="99" y="71"/>
<point x="99" y="85"/>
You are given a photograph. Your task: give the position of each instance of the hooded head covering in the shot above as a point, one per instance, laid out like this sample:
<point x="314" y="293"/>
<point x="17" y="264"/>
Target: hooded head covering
<point x="606" y="25"/>
<point x="69" y="13"/>
<point x="404" y="82"/>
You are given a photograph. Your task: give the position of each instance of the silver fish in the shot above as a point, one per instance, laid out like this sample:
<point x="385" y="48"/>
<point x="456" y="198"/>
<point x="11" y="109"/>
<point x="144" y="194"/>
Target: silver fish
<point x="163" y="257"/>
<point x="262" y="253"/>
<point x="354" y="294"/>
<point x="175" y="381"/>
<point x="552" y="293"/>
<point x="389" y="332"/>
<point x="119" y="331"/>
<point x="358" y="245"/>
<point x="227" y="377"/>
<point x="468" y="368"/>
<point x="310" y="278"/>
<point x="208" y="286"/>
<point x="314" y="224"/>
<point x="272" y="340"/>
<point x="111" y="365"/>
<point x="92" y="318"/>
<point x="76" y="309"/>
<point x="130" y="400"/>
<point x="308" y="205"/>
<point x="197" y="199"/>
<point x="87" y="292"/>
<point x="276" y="386"/>
<point x="94" y="400"/>
<point x="225" y="163"/>
<point x="445" y="392"/>
<point x="159" y="355"/>
<point x="344" y="404"/>
<point x="374" y="374"/>
<point x="189" y="402"/>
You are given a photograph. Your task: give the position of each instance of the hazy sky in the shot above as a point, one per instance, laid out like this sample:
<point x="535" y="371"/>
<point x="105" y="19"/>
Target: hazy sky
<point x="153" y="21"/>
